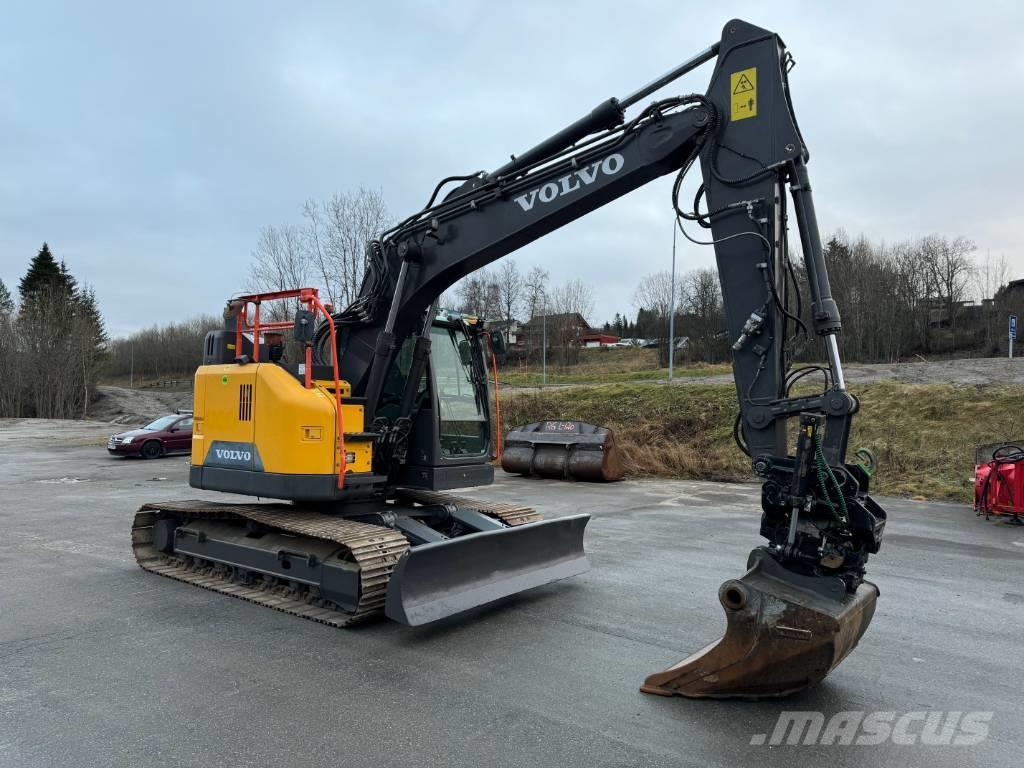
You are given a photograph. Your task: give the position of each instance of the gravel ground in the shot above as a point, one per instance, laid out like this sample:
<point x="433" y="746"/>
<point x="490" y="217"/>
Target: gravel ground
<point x="120" y="405"/>
<point x="963" y="372"/>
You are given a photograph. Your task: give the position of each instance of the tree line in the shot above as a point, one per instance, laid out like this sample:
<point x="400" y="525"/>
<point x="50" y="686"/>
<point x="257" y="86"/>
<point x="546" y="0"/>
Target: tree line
<point x="897" y="300"/>
<point x="926" y="296"/>
<point x="161" y="351"/>
<point x="53" y="343"/>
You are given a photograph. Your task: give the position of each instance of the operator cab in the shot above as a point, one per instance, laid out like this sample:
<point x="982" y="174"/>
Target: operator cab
<point x="450" y="441"/>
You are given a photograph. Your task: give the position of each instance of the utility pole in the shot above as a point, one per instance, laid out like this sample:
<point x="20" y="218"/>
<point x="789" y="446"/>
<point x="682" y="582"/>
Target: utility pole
<point x="544" y="343"/>
<point x="131" y="368"/>
<point x="672" y="305"/>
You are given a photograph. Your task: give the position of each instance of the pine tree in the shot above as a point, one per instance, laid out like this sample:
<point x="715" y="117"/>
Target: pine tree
<point x="88" y="342"/>
<point x="6" y="302"/>
<point x="69" y="281"/>
<point x="89" y="312"/>
<point x="43" y="271"/>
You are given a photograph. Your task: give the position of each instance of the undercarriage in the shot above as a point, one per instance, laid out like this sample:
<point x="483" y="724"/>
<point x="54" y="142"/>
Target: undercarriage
<point x="418" y="559"/>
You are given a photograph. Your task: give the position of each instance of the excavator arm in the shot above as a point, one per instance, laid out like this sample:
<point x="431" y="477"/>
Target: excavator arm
<point x="803" y="604"/>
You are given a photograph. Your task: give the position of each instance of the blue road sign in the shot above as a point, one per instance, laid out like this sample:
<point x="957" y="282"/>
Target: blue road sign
<point x="1013" y="327"/>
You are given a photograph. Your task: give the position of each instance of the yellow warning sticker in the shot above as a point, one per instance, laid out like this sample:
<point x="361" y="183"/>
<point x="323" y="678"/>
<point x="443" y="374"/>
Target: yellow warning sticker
<point x="743" y="87"/>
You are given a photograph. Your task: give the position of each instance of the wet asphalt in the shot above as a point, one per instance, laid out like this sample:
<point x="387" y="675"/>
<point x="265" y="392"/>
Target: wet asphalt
<point x="102" y="664"/>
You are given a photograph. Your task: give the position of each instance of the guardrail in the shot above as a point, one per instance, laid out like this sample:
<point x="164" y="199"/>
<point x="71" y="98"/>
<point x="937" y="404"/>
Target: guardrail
<point x="165" y="383"/>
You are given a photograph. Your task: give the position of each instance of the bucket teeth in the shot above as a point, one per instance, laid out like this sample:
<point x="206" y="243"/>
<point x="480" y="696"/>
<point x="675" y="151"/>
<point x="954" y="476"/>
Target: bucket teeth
<point x="784" y="633"/>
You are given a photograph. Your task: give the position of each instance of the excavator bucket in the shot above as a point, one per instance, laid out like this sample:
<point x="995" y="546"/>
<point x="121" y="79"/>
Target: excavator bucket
<point x="785" y="632"/>
<point x="443" y="578"/>
<point x="565" y="450"/>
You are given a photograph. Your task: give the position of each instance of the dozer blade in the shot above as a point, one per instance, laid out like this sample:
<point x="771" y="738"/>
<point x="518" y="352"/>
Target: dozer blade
<point x="442" y="578"/>
<point x="785" y="632"/>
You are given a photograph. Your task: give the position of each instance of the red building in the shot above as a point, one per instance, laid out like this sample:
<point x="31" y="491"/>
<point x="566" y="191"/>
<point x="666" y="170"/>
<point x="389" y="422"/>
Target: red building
<point x="598" y="339"/>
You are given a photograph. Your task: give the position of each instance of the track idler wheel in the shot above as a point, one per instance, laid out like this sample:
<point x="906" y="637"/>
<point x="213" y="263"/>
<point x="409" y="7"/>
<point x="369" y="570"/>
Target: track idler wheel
<point x="785" y="632"/>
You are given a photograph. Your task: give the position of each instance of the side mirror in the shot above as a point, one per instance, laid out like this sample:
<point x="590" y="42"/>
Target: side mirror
<point x="304" y="326"/>
<point x="498" y="342"/>
<point x="465" y="352"/>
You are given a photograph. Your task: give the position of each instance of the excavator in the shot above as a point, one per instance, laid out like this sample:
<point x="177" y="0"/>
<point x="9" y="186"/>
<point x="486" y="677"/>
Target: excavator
<point x="361" y="434"/>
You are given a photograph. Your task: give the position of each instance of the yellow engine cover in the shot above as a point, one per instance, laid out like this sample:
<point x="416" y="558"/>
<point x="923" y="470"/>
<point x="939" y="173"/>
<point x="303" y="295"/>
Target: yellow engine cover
<point x="260" y="418"/>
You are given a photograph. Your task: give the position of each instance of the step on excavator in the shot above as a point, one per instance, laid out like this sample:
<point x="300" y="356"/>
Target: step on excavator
<point x="384" y="409"/>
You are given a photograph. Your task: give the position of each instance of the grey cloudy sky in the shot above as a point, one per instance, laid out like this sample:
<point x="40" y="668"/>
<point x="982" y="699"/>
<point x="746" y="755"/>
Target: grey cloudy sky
<point x="148" y="144"/>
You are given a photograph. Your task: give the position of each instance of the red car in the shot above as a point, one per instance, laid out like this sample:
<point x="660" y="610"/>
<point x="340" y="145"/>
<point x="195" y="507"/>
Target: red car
<point x="166" y="435"/>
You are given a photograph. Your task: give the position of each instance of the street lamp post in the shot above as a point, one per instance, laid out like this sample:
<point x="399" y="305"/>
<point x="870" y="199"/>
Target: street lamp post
<point x="672" y="306"/>
<point x="544" y="342"/>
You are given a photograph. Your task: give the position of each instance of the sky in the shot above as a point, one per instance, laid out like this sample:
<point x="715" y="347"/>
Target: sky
<point x="149" y="143"/>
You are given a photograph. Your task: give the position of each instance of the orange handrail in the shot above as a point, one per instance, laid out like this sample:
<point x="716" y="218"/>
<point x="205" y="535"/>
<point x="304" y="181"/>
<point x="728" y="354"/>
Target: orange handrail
<point x="342" y="458"/>
<point x="497" y="400"/>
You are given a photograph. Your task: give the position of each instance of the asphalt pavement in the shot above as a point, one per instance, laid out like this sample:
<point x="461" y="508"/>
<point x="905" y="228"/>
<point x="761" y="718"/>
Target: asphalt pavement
<point x="102" y="664"/>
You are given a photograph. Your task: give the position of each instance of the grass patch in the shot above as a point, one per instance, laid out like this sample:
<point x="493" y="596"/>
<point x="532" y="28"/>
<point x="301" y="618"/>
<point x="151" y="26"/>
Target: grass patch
<point x="923" y="435"/>
<point x="601" y="375"/>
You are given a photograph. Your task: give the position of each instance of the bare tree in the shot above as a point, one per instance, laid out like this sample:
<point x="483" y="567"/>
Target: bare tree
<point x="654" y="300"/>
<point x="703" y="316"/>
<point x="949" y="271"/>
<point x="990" y="276"/>
<point x="654" y="293"/>
<point x="280" y="262"/>
<point x="565" y="302"/>
<point x="534" y="287"/>
<point x="10" y="363"/>
<point x="336" y="234"/>
<point x="510" y="289"/>
<point x="573" y="297"/>
<point x="701" y="293"/>
<point x="175" y="349"/>
<point x="479" y="295"/>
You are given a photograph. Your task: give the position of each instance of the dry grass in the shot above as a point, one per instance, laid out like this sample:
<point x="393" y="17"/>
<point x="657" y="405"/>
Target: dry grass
<point x="607" y="365"/>
<point x="922" y="435"/>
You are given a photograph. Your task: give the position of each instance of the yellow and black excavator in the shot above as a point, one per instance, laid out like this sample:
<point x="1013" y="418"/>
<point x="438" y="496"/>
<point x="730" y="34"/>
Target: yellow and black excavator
<point x="385" y="409"/>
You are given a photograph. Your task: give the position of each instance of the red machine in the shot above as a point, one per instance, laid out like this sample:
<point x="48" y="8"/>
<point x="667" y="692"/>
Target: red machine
<point x="999" y="481"/>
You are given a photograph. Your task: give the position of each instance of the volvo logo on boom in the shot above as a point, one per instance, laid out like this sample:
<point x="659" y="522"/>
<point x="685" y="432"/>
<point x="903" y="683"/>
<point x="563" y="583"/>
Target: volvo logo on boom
<point x="571" y="182"/>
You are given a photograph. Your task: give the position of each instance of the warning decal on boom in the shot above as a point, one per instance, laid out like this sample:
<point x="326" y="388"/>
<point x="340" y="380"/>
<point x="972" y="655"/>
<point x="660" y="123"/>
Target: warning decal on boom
<point x="743" y="86"/>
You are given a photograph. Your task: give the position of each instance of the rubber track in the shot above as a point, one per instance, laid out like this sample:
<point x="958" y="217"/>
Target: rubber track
<point x="375" y="548"/>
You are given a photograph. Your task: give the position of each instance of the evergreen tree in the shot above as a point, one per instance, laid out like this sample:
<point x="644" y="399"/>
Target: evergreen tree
<point x="89" y="312"/>
<point x="6" y="302"/>
<point x="69" y="281"/>
<point x="43" y="271"/>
